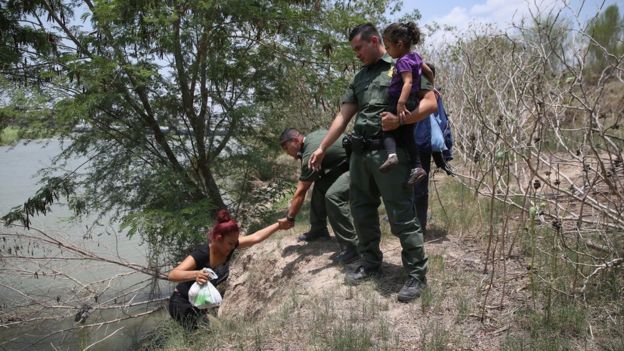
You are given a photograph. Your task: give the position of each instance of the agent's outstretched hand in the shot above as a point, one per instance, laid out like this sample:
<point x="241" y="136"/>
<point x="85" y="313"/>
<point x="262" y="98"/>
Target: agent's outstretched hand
<point x="284" y="223"/>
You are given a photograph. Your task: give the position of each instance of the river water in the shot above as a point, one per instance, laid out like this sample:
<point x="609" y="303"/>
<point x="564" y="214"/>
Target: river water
<point x="53" y="291"/>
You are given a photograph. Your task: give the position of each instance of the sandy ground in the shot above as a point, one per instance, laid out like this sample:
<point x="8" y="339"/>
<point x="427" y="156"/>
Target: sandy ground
<point x="265" y="276"/>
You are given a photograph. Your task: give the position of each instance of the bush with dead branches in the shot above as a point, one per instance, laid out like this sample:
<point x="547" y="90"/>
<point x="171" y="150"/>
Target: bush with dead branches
<point x="68" y="288"/>
<point x="542" y="139"/>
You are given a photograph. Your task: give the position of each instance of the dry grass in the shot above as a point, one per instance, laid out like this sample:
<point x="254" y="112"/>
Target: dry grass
<point x="286" y="295"/>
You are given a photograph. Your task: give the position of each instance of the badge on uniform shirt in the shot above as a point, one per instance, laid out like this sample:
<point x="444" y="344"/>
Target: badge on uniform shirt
<point x="391" y="71"/>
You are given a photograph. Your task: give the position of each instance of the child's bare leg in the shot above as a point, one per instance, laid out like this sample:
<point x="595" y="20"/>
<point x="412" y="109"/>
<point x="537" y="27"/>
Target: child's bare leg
<point x="392" y="160"/>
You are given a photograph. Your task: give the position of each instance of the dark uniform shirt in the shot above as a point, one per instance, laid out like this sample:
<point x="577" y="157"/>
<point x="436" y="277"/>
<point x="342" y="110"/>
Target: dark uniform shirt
<point x="335" y="156"/>
<point x="369" y="91"/>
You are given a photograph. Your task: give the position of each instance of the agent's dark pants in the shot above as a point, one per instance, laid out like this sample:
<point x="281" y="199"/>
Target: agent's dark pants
<point x="368" y="184"/>
<point x="330" y="200"/>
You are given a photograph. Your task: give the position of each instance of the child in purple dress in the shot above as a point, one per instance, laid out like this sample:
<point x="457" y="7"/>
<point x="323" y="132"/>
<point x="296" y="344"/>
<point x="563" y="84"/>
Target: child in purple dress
<point x="403" y="94"/>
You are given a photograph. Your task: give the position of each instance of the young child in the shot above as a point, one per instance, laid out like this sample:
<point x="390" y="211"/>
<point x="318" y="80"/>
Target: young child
<point x="403" y="93"/>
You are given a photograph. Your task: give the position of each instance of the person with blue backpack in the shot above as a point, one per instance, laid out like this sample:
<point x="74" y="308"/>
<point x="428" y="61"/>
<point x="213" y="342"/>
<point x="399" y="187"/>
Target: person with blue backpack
<point x="435" y="141"/>
<point x="403" y="94"/>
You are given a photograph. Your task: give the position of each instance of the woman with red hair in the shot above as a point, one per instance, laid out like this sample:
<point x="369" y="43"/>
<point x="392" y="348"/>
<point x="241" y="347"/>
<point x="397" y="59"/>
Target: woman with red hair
<point x="223" y="239"/>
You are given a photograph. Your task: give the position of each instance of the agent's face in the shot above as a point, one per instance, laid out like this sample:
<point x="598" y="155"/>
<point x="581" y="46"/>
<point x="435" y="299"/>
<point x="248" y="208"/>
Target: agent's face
<point x="366" y="51"/>
<point x="292" y="147"/>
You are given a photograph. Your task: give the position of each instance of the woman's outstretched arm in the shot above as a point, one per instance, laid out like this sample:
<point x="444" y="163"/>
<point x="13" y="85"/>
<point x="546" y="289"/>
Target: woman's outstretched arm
<point x="260" y="235"/>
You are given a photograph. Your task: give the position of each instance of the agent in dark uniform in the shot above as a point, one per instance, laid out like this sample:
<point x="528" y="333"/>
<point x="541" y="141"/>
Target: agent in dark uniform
<point x="367" y="99"/>
<point x="330" y="195"/>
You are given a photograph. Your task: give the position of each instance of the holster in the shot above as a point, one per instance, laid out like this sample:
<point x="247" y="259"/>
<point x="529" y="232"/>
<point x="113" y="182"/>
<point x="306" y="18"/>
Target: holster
<point x="346" y="144"/>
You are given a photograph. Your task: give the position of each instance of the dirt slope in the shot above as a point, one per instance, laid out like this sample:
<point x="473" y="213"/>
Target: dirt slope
<point x="298" y="294"/>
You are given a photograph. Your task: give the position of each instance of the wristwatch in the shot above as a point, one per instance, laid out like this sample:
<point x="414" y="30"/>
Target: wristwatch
<point x="290" y="218"/>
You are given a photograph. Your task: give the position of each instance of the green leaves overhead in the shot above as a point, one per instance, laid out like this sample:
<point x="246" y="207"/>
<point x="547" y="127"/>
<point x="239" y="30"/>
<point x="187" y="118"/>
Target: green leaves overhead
<point x="181" y="96"/>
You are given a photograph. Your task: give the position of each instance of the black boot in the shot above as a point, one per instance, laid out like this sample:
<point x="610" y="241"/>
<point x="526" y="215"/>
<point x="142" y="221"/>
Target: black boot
<point x="314" y="235"/>
<point x="411" y="289"/>
<point x="348" y="255"/>
<point x="361" y="274"/>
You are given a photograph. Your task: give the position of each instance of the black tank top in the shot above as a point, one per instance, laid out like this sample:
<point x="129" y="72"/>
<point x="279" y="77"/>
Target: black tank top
<point x="201" y="255"/>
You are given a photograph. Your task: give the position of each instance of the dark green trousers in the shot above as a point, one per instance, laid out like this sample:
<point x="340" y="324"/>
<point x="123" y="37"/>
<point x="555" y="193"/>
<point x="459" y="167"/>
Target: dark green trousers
<point x="367" y="185"/>
<point x="330" y="200"/>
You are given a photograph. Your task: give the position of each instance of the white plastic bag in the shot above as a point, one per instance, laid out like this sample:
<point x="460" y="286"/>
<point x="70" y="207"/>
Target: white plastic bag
<point x="206" y="295"/>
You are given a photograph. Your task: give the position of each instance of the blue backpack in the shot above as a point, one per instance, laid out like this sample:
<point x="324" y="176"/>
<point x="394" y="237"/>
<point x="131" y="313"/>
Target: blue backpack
<point x="428" y="140"/>
<point x="433" y="134"/>
<point x="445" y="126"/>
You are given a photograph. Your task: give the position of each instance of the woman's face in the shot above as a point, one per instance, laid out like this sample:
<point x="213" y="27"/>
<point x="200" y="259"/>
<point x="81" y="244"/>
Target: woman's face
<point x="226" y="243"/>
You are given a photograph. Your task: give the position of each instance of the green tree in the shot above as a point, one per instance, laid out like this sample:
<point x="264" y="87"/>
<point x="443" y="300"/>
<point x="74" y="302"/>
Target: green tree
<point x="18" y="41"/>
<point x="184" y="99"/>
<point x="606" y="45"/>
<point x="17" y="37"/>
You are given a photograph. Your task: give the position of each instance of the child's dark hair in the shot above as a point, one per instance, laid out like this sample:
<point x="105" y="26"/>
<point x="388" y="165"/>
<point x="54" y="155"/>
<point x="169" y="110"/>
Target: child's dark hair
<point x="407" y="33"/>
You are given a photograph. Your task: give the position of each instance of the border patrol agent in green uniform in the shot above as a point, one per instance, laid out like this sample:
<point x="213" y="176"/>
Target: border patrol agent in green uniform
<point x="367" y="97"/>
<point x="330" y="195"/>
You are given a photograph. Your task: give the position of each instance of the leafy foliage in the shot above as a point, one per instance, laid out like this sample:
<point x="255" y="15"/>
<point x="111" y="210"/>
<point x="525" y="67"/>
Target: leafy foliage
<point x="16" y="37"/>
<point x="41" y="202"/>
<point x="182" y="99"/>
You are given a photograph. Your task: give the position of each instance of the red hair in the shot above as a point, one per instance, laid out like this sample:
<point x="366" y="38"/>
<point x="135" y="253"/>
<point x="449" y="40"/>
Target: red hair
<point x="225" y="225"/>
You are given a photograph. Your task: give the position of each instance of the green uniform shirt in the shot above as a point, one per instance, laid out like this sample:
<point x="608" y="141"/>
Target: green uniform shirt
<point x="369" y="91"/>
<point x="334" y="155"/>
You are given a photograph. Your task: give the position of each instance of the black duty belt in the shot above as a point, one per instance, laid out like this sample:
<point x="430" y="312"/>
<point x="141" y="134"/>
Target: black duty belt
<point x="361" y="144"/>
<point x="337" y="170"/>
